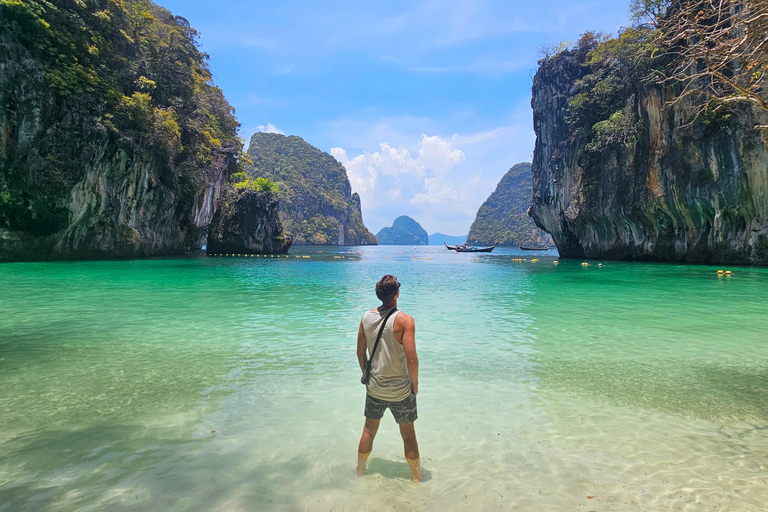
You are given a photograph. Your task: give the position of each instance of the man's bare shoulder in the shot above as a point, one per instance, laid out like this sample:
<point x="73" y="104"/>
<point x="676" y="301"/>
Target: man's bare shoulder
<point x="403" y="319"/>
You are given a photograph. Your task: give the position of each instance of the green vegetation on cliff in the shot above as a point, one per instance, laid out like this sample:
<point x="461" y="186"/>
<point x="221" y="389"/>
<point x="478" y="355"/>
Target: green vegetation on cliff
<point x="598" y="111"/>
<point x="316" y="201"/>
<point x="241" y="181"/>
<point x="404" y="231"/>
<point x="503" y="217"/>
<point x="636" y="159"/>
<point x="117" y="88"/>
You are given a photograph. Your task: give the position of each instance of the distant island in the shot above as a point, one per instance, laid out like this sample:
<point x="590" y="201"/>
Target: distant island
<point x="440" y="239"/>
<point x="404" y="231"/>
<point x="503" y="217"/>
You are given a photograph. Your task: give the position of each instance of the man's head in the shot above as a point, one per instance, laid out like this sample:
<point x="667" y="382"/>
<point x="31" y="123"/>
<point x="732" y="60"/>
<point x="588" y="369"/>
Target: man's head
<point x="387" y="289"/>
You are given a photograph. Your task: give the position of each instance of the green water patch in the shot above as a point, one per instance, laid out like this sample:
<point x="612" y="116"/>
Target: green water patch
<point x="232" y="383"/>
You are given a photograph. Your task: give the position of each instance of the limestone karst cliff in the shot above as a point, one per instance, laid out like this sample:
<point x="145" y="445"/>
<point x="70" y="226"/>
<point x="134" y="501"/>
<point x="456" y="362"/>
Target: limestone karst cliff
<point x="503" y="217"/>
<point x="317" y="205"/>
<point x="113" y="140"/>
<point x="622" y="171"/>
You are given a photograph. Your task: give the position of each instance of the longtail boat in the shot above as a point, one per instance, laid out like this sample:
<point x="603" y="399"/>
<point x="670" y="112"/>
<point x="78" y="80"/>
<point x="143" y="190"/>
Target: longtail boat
<point x="471" y="248"/>
<point x="533" y="247"/>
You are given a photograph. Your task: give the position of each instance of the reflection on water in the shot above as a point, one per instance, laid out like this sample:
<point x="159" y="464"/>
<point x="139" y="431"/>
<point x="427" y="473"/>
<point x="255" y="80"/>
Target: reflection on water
<point x="231" y="384"/>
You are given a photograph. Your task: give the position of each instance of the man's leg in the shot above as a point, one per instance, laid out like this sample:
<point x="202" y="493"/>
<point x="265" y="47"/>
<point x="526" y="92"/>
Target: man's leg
<point x="411" y="450"/>
<point x="366" y="443"/>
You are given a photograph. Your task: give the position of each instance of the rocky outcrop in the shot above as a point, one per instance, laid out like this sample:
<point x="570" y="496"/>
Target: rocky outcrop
<point x="103" y="152"/>
<point x="503" y="217"/>
<point x="247" y="222"/>
<point x="404" y="231"/>
<point x="683" y="189"/>
<point x="317" y="205"/>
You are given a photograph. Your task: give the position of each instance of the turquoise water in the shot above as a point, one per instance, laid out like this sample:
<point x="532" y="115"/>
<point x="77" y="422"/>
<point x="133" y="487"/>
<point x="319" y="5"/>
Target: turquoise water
<point x="229" y="384"/>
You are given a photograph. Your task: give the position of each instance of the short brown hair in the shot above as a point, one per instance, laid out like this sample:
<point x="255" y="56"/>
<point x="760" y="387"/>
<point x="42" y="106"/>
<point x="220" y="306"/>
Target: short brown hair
<point x="387" y="287"/>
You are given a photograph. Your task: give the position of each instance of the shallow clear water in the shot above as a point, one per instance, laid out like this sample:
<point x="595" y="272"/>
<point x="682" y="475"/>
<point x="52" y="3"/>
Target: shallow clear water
<point x="228" y="384"/>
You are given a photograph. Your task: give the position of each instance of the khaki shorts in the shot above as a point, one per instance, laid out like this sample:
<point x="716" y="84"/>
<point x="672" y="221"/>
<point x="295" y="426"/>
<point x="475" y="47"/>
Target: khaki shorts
<point x="404" y="412"/>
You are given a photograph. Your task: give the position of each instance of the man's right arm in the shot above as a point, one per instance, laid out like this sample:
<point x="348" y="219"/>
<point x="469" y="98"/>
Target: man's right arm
<point x="409" y="345"/>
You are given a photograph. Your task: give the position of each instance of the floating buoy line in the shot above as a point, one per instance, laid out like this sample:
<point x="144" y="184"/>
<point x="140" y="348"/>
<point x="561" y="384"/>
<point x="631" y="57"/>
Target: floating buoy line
<point x="241" y="255"/>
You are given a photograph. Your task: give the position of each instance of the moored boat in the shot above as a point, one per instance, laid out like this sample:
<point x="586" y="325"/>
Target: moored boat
<point x="533" y="247"/>
<point x="471" y="248"/>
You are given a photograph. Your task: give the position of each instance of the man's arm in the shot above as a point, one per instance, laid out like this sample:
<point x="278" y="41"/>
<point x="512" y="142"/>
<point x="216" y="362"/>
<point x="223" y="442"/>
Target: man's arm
<point x="361" y="347"/>
<point x="409" y="345"/>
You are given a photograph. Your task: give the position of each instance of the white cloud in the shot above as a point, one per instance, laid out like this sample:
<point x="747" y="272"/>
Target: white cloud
<point x="269" y="128"/>
<point x="414" y="181"/>
<point x="439" y="155"/>
<point x="436" y="192"/>
<point x="439" y="180"/>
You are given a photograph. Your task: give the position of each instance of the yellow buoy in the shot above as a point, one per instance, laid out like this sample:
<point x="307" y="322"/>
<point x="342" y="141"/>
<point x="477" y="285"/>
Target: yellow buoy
<point x="555" y="262"/>
<point x="728" y="272"/>
<point x="720" y="272"/>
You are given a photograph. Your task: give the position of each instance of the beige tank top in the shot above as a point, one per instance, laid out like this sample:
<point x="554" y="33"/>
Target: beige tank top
<point x="389" y="370"/>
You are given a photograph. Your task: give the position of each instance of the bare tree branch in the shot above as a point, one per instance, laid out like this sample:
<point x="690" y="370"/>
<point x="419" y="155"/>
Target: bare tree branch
<point x="719" y="49"/>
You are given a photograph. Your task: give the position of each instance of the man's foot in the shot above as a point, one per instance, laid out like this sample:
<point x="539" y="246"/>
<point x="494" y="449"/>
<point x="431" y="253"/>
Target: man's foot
<point x="362" y="459"/>
<point x="415" y="469"/>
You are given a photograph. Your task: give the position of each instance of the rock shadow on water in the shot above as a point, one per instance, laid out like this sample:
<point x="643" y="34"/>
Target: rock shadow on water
<point x="396" y="470"/>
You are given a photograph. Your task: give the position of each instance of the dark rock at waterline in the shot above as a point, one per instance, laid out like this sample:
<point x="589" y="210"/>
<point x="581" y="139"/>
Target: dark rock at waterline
<point x="247" y="222"/>
<point x="686" y="189"/>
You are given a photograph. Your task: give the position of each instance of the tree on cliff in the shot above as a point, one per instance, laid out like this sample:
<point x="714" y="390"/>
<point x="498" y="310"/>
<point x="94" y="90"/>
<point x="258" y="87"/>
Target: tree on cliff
<point x="720" y="51"/>
<point x="649" y="11"/>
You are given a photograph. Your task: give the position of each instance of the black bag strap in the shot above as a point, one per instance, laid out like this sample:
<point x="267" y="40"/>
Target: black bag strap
<point x="378" y="337"/>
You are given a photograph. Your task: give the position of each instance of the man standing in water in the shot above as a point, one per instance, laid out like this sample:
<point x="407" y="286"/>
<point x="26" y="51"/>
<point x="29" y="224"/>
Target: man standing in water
<point x="394" y="381"/>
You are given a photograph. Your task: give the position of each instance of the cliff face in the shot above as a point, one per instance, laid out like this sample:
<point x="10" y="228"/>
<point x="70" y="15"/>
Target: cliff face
<point x="247" y="222"/>
<point x="680" y="188"/>
<point x="503" y="217"/>
<point x="106" y="149"/>
<point x="317" y="205"/>
<point x="404" y="231"/>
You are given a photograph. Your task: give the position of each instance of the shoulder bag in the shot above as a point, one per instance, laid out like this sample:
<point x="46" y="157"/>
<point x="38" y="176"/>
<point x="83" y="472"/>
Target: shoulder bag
<point x="367" y="371"/>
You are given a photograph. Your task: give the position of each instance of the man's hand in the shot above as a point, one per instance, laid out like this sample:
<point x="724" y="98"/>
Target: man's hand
<point x="415" y="388"/>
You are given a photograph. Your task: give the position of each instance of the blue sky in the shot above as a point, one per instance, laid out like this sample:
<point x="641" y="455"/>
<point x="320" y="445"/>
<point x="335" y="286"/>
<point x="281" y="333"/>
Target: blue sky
<point x="425" y="102"/>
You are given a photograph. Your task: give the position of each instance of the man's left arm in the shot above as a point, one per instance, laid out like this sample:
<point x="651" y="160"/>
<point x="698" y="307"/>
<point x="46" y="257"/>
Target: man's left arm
<point x="409" y="345"/>
<point x="361" y="347"/>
